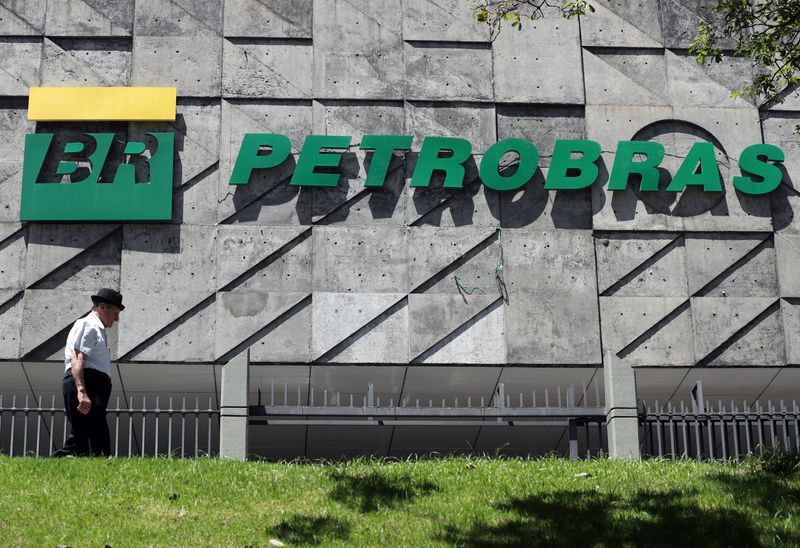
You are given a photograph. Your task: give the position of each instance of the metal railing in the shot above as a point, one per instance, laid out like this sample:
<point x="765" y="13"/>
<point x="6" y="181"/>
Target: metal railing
<point x="136" y="430"/>
<point x="562" y="409"/>
<point x="719" y="433"/>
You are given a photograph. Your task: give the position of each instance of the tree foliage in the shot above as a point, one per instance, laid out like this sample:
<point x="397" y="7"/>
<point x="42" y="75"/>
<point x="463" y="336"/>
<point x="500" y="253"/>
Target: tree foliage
<point x="765" y="31"/>
<point x="496" y="13"/>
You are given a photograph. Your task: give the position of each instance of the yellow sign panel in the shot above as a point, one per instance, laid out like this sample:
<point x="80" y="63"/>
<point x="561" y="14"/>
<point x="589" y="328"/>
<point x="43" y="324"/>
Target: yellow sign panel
<point x="79" y="104"/>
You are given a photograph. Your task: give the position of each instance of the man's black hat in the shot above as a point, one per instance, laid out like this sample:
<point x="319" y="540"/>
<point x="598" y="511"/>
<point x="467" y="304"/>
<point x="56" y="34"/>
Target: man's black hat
<point x="109" y="296"/>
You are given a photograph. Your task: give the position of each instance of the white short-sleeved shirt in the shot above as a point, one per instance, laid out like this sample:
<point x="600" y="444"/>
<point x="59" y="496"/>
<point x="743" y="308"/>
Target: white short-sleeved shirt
<point x="88" y="335"/>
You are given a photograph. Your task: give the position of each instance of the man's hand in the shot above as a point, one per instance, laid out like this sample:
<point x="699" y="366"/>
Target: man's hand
<point x="84" y="403"/>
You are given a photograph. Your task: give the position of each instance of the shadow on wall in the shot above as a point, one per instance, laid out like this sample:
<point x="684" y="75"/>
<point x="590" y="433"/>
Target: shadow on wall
<point x="268" y="192"/>
<point x="678" y="136"/>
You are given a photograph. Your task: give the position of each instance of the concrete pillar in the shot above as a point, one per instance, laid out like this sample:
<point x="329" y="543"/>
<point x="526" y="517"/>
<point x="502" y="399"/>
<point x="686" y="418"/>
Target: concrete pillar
<point x="233" y="408"/>
<point x="622" y="420"/>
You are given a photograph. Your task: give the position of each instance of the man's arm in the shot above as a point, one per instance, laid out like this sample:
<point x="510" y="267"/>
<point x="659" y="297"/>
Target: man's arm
<point x="84" y="403"/>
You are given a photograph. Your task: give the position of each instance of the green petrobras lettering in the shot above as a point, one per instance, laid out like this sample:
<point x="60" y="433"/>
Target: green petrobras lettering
<point x="490" y="165"/>
<point x="313" y="157"/>
<point x="624" y="165"/>
<point x="559" y="176"/>
<point x="249" y="158"/>
<point x="430" y="161"/>
<point x="752" y="161"/>
<point x="699" y="168"/>
<point x="384" y="146"/>
<point x="91" y="199"/>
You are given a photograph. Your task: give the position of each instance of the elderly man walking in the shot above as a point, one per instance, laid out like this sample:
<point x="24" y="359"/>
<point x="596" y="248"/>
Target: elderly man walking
<point x="87" y="378"/>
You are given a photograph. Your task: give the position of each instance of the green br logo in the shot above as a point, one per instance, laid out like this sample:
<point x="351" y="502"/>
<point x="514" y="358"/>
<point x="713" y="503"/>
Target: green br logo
<point x="89" y="184"/>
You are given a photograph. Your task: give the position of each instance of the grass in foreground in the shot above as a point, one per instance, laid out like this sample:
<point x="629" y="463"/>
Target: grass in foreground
<point x="454" y="501"/>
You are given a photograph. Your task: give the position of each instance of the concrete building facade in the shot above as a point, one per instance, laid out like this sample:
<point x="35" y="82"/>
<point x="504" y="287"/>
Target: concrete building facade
<point x="426" y="292"/>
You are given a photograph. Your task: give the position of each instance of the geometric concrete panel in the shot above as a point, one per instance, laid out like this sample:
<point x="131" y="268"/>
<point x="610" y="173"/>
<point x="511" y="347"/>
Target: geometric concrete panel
<point x="10" y="323"/>
<point x="360" y="260"/>
<point x="366" y="62"/>
<point x="679" y="20"/>
<point x="698" y="85"/>
<point x="434" y="20"/>
<point x="624" y="23"/>
<point x="168" y="257"/>
<point x="737" y="331"/>
<point x="86" y="62"/>
<point x="445" y="329"/>
<point x="779" y="130"/>
<point x="729" y="129"/>
<point x="255" y="69"/>
<point x="89" y="18"/>
<point x="195" y="18"/>
<point x="790" y="316"/>
<point x="267" y="199"/>
<point x="95" y="267"/>
<point x="190" y="340"/>
<point x="558" y="327"/>
<point x="731" y="265"/>
<point x="278" y="19"/>
<point x="641" y="265"/>
<point x="21" y="60"/>
<point x="651" y="331"/>
<point x="22" y="17"/>
<point x="333" y="117"/>
<point x="13" y="127"/>
<point x="541" y="124"/>
<point x="351" y="203"/>
<point x="453" y="72"/>
<point x="439" y="255"/>
<point x="472" y="205"/>
<point x="12" y="256"/>
<point x="279" y="332"/>
<point x="763" y="345"/>
<point x="189" y="64"/>
<point x="383" y="341"/>
<point x="534" y="207"/>
<point x="625" y="77"/>
<point x="155" y="316"/>
<point x="196" y="167"/>
<point x="168" y="272"/>
<point x="433" y="318"/>
<point x="475" y="123"/>
<point x="541" y="64"/>
<point x="57" y="251"/>
<point x="46" y="314"/>
<point x="787" y="251"/>
<point x="552" y="312"/>
<point x="359" y="327"/>
<point x="257" y="258"/>
<point x="549" y="261"/>
<point x="9" y="229"/>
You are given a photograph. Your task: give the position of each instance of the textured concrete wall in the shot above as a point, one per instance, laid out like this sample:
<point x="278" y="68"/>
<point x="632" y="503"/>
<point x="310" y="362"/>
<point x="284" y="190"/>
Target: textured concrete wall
<point x="359" y="275"/>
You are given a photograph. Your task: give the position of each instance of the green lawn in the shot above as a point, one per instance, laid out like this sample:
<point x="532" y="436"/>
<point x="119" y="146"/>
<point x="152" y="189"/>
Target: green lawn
<point x="454" y="501"/>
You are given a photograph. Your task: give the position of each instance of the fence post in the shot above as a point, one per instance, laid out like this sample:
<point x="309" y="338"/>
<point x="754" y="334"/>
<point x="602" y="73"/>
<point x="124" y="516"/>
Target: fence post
<point x="234" y="408"/>
<point x="622" y="417"/>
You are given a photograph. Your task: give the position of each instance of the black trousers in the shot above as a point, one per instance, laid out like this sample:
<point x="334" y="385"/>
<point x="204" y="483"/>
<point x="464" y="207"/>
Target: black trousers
<point x="89" y="433"/>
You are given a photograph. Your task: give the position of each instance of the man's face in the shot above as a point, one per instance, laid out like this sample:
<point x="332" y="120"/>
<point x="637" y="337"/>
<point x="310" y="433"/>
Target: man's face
<point x="108" y="314"/>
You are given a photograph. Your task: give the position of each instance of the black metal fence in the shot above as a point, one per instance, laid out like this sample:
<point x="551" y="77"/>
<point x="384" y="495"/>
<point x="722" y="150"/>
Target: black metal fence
<point x="720" y="433"/>
<point x="174" y="430"/>
<point x="581" y="421"/>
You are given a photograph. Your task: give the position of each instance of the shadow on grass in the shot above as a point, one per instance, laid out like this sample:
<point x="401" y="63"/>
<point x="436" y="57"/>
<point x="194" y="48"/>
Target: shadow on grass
<point x="645" y="518"/>
<point x="306" y="530"/>
<point x="374" y="490"/>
